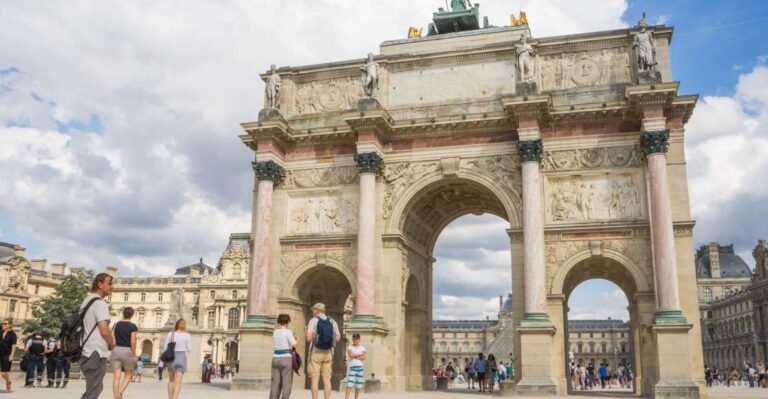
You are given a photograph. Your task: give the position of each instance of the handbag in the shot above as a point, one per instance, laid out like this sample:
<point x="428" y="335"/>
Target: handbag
<point x="169" y="354"/>
<point x="24" y="363"/>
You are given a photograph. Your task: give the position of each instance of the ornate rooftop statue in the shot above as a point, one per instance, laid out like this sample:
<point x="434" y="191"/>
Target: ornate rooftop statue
<point x="370" y="76"/>
<point x="460" y="5"/>
<point x="524" y="60"/>
<point x="645" y="46"/>
<point x="273" y="89"/>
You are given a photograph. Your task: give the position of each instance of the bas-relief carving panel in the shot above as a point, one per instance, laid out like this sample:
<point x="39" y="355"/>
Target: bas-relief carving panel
<point x="320" y="177"/>
<point x="444" y="83"/>
<point x="323" y="213"/>
<point x="590" y="158"/>
<point x="594" y="198"/>
<point x="326" y="96"/>
<point x="586" y="68"/>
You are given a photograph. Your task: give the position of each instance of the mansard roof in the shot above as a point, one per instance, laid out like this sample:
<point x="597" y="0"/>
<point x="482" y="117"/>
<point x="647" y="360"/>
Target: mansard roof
<point x="7" y="251"/>
<point x="200" y="267"/>
<point x="731" y="265"/>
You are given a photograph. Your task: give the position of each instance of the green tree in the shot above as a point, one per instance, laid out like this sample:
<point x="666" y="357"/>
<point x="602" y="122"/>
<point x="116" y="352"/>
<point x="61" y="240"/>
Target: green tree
<point x="51" y="311"/>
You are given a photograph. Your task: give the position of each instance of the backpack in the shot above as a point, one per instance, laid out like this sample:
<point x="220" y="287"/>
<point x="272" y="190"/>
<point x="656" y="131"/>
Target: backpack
<point x="72" y="332"/>
<point x="324" y="336"/>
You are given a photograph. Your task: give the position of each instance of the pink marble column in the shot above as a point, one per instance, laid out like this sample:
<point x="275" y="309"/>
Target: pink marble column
<point x="258" y="291"/>
<point x="368" y="164"/>
<point x="662" y="231"/>
<point x="534" y="269"/>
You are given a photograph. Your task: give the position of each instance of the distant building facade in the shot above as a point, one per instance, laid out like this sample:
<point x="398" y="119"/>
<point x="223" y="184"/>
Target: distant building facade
<point x="599" y="341"/>
<point x="733" y="303"/>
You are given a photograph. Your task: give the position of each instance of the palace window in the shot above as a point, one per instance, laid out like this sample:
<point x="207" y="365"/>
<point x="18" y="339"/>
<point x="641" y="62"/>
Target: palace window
<point x="707" y="295"/>
<point x="603" y="335"/>
<point x="234" y="294"/>
<point x="12" y="308"/>
<point x="237" y="271"/>
<point x="233" y="319"/>
<point x="454" y="347"/>
<point x="211" y="318"/>
<point x="37" y="289"/>
<point x="591" y="335"/>
<point x="623" y="348"/>
<point x="160" y="297"/>
<point x="213" y="294"/>
<point x="603" y="347"/>
<point x="141" y="318"/>
<point x="143" y="297"/>
<point x="466" y="347"/>
<point x="125" y="297"/>
<point x="158" y="319"/>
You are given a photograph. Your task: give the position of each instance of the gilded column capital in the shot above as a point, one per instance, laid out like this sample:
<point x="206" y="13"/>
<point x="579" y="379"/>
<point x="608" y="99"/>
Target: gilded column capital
<point x="656" y="141"/>
<point x="368" y="162"/>
<point x="268" y="170"/>
<point x="530" y="150"/>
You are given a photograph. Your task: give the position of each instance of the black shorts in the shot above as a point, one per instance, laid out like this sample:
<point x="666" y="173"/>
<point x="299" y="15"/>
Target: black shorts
<point x="480" y="376"/>
<point x="5" y="364"/>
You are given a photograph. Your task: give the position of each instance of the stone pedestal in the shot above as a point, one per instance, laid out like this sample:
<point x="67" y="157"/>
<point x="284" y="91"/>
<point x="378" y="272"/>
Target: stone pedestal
<point x="536" y="348"/>
<point x="673" y="362"/>
<point x="368" y="104"/>
<point x="526" y="88"/>
<point x="441" y="383"/>
<point x="648" y="77"/>
<point x="271" y="114"/>
<point x="507" y="388"/>
<point x="255" y="355"/>
<point x="372" y="385"/>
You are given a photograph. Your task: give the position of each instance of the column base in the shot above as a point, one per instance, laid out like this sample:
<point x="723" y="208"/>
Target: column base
<point x="507" y="388"/>
<point x="675" y="391"/>
<point x="255" y="352"/>
<point x="536" y="339"/>
<point x="366" y="322"/>
<point x="675" y="377"/>
<point x="664" y="317"/>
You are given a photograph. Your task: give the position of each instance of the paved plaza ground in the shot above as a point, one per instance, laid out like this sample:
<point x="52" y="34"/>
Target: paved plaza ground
<point x="152" y="389"/>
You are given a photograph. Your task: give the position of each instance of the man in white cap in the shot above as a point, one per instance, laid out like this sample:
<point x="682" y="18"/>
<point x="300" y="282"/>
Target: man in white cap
<point x="323" y="334"/>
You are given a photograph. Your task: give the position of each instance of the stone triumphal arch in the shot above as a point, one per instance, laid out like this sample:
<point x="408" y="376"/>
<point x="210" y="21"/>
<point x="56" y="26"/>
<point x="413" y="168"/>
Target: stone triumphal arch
<point x="576" y="141"/>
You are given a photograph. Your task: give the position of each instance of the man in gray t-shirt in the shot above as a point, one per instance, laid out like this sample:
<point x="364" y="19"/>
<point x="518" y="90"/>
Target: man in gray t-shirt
<point x="93" y="362"/>
<point x="320" y="361"/>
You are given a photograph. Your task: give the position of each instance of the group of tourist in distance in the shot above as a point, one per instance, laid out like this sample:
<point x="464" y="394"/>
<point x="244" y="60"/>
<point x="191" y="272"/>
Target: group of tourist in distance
<point x="479" y="373"/>
<point x="755" y="376"/>
<point x="322" y="333"/>
<point x="605" y="376"/>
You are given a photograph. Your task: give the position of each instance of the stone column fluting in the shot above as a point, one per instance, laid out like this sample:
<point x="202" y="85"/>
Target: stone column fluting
<point x="267" y="173"/>
<point x="655" y="144"/>
<point x="368" y="165"/>
<point x="534" y="269"/>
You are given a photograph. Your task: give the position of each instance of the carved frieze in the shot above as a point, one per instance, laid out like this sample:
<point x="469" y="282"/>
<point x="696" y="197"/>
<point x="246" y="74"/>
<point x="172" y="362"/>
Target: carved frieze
<point x="594" y="198"/>
<point x="602" y="157"/>
<point x="320" y="177"/>
<point x="332" y="213"/>
<point x="400" y="176"/>
<point x="332" y="95"/>
<point x="586" y="68"/>
<point x="505" y="169"/>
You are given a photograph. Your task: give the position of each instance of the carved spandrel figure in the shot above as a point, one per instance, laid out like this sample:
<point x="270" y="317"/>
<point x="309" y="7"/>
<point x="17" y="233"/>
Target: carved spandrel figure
<point x="273" y="88"/>
<point x="524" y="60"/>
<point x="370" y="76"/>
<point x="645" y="46"/>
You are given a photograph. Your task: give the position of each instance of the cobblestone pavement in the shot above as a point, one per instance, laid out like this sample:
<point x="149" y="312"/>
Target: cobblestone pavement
<point x="152" y="389"/>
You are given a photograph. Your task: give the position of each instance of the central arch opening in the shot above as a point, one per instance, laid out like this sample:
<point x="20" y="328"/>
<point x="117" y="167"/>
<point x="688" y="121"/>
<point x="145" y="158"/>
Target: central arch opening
<point x="458" y="267"/>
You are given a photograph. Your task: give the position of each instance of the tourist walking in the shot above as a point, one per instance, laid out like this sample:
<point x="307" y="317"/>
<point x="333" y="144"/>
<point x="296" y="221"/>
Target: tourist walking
<point x="490" y="374"/>
<point x="50" y="361"/>
<point x="62" y="367"/>
<point x="323" y="333"/>
<point x="708" y="376"/>
<point x="591" y="376"/>
<point x="355" y="366"/>
<point x="177" y="368"/>
<point x="582" y="376"/>
<point x="35" y="350"/>
<point x="761" y="382"/>
<point x="471" y="374"/>
<point x="283" y="342"/>
<point x="502" y="373"/>
<point x="93" y="363"/>
<point x="123" y="357"/>
<point x="7" y="352"/>
<point x="481" y="364"/>
<point x="160" y="365"/>
<point x="603" y="371"/>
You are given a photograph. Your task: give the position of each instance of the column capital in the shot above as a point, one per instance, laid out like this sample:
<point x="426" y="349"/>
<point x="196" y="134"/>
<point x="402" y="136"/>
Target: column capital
<point x="656" y="141"/>
<point x="368" y="162"/>
<point x="268" y="170"/>
<point x="530" y="150"/>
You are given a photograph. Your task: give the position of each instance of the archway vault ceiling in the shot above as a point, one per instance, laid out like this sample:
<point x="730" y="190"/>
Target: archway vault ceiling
<point x="439" y="204"/>
<point x="323" y="284"/>
<point x="600" y="268"/>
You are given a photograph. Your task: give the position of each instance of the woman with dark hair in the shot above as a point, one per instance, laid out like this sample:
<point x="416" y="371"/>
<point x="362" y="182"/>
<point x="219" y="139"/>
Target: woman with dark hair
<point x="490" y="374"/>
<point x="282" y="361"/>
<point x="7" y="351"/>
<point x="123" y="356"/>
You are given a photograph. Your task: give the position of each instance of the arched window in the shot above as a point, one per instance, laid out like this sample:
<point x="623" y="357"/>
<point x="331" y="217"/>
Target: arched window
<point x="581" y="347"/>
<point x="707" y="295"/>
<point x="592" y="347"/>
<point x="454" y="347"/>
<point x="233" y="320"/>
<point x="603" y="347"/>
<point x="466" y="347"/>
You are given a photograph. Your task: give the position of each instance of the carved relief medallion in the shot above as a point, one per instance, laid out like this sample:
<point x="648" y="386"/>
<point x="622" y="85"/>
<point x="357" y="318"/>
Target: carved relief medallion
<point x="594" y="198"/>
<point x="333" y="95"/>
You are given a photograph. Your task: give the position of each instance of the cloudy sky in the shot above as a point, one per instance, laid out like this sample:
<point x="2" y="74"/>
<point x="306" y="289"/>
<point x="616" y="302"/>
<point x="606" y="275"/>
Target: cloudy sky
<point x="119" y="123"/>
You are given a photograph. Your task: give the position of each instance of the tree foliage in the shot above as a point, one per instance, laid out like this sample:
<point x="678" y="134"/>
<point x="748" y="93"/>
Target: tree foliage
<point x="66" y="299"/>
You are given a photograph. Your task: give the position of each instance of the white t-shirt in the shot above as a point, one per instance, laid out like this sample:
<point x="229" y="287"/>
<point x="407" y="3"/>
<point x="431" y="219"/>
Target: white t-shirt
<point x="282" y="339"/>
<point x="356" y="350"/>
<point x="182" y="339"/>
<point x="99" y="311"/>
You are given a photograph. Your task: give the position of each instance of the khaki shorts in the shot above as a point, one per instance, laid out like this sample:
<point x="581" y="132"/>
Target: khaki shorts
<point x="320" y="364"/>
<point x="122" y="358"/>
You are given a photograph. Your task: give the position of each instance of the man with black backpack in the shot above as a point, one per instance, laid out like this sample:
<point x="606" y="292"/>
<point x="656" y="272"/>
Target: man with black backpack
<point x="323" y="334"/>
<point x="34" y="350"/>
<point x="96" y="344"/>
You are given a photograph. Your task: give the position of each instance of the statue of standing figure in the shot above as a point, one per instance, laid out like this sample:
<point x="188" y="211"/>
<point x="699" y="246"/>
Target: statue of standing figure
<point x="176" y="310"/>
<point x="645" y="46"/>
<point x="370" y="76"/>
<point x="524" y="60"/>
<point x="273" y="88"/>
